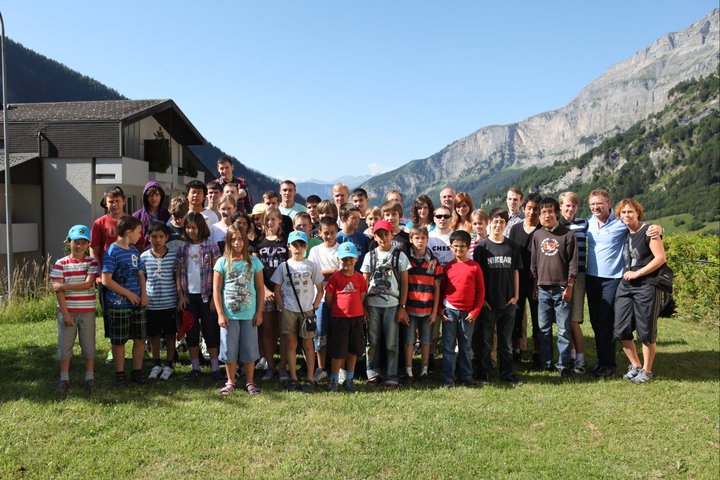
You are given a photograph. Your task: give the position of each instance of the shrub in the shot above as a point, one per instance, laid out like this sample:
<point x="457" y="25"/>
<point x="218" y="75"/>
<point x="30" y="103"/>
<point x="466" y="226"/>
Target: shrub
<point x="32" y="299"/>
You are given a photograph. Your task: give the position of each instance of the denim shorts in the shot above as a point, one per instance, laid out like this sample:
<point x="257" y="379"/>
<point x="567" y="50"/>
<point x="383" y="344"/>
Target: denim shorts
<point x="425" y="330"/>
<point x="239" y="342"/>
<point x="322" y="314"/>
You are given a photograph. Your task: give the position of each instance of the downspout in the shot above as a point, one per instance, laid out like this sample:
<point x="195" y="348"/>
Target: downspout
<point x="40" y="136"/>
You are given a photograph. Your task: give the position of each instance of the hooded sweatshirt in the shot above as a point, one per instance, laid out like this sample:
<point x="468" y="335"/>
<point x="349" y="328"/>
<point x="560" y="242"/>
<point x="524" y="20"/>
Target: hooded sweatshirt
<point x="144" y="213"/>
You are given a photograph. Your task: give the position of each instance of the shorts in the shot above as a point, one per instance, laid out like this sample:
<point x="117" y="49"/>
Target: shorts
<point x="208" y="323"/>
<point x="239" y="342"/>
<point x="347" y="335"/>
<point x="578" y="301"/>
<point x="161" y="322"/>
<point x="126" y="324"/>
<point x="291" y="322"/>
<point x="416" y="323"/>
<point x="83" y="328"/>
<point x="323" y="315"/>
<point x="636" y="308"/>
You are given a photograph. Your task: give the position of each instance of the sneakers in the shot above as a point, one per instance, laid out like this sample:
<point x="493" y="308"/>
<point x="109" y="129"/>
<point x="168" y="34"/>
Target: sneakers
<point x="155" y="372"/>
<point x="332" y="387"/>
<point x="282" y="375"/>
<point x="342" y="376"/>
<point x="449" y="383"/>
<point x="90" y="385"/>
<point x="120" y="380"/>
<point x="262" y="364"/>
<point x="63" y="386"/>
<point x="308" y="387"/>
<point x="579" y="367"/>
<point x="268" y="375"/>
<point x="166" y="372"/>
<point x="349" y="386"/>
<point x="424" y="379"/>
<point x="632" y="372"/>
<point x="320" y="375"/>
<point x="604" y="372"/>
<point x="291" y="385"/>
<point x="137" y="377"/>
<point x="643" y="376"/>
<point x="194" y="374"/>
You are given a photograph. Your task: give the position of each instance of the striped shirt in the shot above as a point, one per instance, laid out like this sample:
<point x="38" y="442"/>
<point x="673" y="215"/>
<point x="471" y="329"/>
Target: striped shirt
<point x="70" y="270"/>
<point x="579" y="227"/>
<point x="160" y="280"/>
<point x="421" y="284"/>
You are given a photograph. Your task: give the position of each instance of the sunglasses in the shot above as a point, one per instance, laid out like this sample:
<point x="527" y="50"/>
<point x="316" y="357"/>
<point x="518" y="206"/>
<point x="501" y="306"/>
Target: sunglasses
<point x="443" y="216"/>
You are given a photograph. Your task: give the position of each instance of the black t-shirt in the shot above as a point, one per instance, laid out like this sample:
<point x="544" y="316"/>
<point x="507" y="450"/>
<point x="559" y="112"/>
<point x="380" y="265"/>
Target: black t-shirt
<point x="271" y="253"/>
<point x="524" y="241"/>
<point x="498" y="262"/>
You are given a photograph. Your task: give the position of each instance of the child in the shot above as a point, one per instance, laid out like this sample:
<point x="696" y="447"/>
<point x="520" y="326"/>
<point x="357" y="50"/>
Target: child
<point x="73" y="280"/>
<point x="238" y="295"/>
<point x="311" y="204"/>
<point x="350" y="216"/>
<point x="360" y="199"/>
<point x="152" y="209"/>
<point x="123" y="276"/>
<point x="463" y="293"/>
<point x="500" y="261"/>
<point x="385" y="270"/>
<point x="302" y="223"/>
<point x="195" y="260"/>
<point x="422" y="303"/>
<point x="392" y="212"/>
<point x="272" y="251"/>
<point x="346" y="291"/>
<point x="298" y="290"/>
<point x="178" y="210"/>
<point x="479" y="218"/>
<point x="160" y="265"/>
<point x="196" y="192"/>
<point x="324" y="255"/>
<point x="227" y="206"/>
<point x="372" y="215"/>
<point x="214" y="192"/>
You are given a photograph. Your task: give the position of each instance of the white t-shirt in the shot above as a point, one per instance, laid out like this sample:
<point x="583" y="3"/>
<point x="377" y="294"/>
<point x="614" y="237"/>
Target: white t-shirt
<point x="210" y="216"/>
<point x="439" y="245"/>
<point x="305" y="275"/>
<point x="326" y="258"/>
<point x="383" y="288"/>
<point x="193" y="268"/>
<point x="218" y="231"/>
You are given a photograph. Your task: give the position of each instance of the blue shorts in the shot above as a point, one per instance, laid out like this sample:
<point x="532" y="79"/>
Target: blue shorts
<point x="239" y="342"/>
<point x="323" y="314"/>
<point x="425" y="330"/>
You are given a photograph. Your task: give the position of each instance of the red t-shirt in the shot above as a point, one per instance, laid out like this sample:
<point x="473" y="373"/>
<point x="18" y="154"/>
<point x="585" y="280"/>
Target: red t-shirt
<point x="346" y="292"/>
<point x="102" y="234"/>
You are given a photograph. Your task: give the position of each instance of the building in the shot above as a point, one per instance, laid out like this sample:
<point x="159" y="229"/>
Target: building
<point x="65" y="155"/>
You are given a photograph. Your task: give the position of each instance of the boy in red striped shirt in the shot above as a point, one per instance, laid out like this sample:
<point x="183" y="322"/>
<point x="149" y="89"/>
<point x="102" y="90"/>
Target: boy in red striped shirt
<point x="73" y="279"/>
<point x="422" y="301"/>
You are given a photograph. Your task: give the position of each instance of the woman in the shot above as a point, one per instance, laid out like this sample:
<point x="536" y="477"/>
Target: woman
<point x="636" y="301"/>
<point x="461" y="212"/>
<point x="421" y="213"/>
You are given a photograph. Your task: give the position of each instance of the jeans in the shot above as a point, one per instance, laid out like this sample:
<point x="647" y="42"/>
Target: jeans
<point x="382" y="330"/>
<point x="601" y="305"/>
<point x="504" y="318"/>
<point x="526" y="293"/>
<point x="552" y="308"/>
<point x="460" y="330"/>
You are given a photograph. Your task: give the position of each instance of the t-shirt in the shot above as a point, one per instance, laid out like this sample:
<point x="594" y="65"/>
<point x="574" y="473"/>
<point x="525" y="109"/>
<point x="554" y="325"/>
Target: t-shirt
<point x="359" y="240"/>
<point x="292" y="211"/>
<point x="347" y="294"/>
<point x="271" y="253"/>
<point x="103" y="233"/>
<point x="70" y="270"/>
<point x="305" y="275"/>
<point x="125" y="266"/>
<point x="439" y="245"/>
<point x="239" y="294"/>
<point x="498" y="262"/>
<point x="523" y="240"/>
<point x="384" y="290"/>
<point x="194" y="268"/>
<point x="326" y="257"/>
<point x="554" y="256"/>
<point x="218" y="231"/>
<point x="160" y="280"/>
<point x="210" y="216"/>
<point x="423" y="274"/>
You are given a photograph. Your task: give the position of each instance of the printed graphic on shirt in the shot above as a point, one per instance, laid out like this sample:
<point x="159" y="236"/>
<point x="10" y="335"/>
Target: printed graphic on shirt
<point x="272" y="256"/>
<point x="381" y="279"/>
<point x="237" y="293"/>
<point x="349" y="288"/>
<point x="549" y="247"/>
<point x="499" y="262"/>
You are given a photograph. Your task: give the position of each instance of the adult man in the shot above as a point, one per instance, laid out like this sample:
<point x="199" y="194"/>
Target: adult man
<point x="447" y="197"/>
<point x="605" y="236"/>
<point x="196" y="191"/>
<point x="554" y="267"/>
<point x="341" y="195"/>
<point x="288" y="206"/>
<point x="514" y="199"/>
<point x="225" y="168"/>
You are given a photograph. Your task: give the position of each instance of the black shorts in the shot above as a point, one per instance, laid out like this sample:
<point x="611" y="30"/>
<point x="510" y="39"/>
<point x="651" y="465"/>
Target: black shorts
<point x="161" y="322"/>
<point x="347" y="335"/>
<point x="636" y="308"/>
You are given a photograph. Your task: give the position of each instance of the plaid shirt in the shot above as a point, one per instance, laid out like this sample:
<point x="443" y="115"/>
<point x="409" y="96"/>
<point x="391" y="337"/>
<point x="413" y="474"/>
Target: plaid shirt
<point x="210" y="253"/>
<point x="245" y="204"/>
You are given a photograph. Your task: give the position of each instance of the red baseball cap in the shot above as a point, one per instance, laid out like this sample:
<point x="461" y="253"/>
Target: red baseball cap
<point x="382" y="225"/>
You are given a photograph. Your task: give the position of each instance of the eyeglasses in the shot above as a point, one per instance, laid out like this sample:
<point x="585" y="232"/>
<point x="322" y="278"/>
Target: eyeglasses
<point x="443" y="216"/>
<point x="459" y="247"/>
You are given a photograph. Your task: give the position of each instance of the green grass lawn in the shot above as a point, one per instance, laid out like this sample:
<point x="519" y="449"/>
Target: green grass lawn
<point x="545" y="428"/>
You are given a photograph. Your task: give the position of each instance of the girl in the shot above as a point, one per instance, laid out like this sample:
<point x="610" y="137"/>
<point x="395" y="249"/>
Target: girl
<point x="461" y="212"/>
<point x="227" y="206"/>
<point x="636" y="302"/>
<point x="372" y="215"/>
<point x="479" y="232"/>
<point x="238" y="294"/>
<point x="272" y="251"/>
<point x="245" y="222"/>
<point x="195" y="260"/>
<point x="421" y="214"/>
<point x="153" y="200"/>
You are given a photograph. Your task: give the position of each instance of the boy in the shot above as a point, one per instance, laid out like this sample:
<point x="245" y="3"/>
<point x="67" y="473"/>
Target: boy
<point x="225" y="169"/>
<point x="553" y="264"/>
<point x="302" y="223"/>
<point x="214" y="192"/>
<point x="196" y="191"/>
<point x="350" y="216"/>
<point x="385" y="270"/>
<point x="463" y="293"/>
<point x="346" y="291"/>
<point x="294" y="280"/>
<point x="422" y="303"/>
<point x="160" y="265"/>
<point x="397" y="196"/>
<point x="73" y="279"/>
<point x="123" y="276"/>
<point x="500" y="261"/>
<point x="324" y="255"/>
<point x="480" y="228"/>
<point x="231" y="188"/>
<point x="439" y="241"/>
<point x="311" y="204"/>
<point x="178" y="211"/>
<point x="271" y="199"/>
<point x="392" y="213"/>
<point x="360" y="199"/>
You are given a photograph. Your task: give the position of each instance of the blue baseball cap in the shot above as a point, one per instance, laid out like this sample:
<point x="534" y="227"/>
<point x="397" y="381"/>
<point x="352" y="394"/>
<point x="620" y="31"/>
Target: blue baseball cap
<point x="347" y="249"/>
<point x="297" y="235"/>
<point x="79" y="231"/>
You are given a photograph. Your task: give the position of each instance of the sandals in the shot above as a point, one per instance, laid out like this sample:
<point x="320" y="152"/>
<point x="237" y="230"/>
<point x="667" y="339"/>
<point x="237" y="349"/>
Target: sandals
<point x="252" y="389"/>
<point x="227" y="389"/>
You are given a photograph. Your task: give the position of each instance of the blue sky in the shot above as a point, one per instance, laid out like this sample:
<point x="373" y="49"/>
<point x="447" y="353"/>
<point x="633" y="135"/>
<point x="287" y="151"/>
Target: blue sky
<point x="319" y="89"/>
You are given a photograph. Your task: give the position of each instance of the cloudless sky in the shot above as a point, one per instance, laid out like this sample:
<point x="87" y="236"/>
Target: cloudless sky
<point x="324" y="88"/>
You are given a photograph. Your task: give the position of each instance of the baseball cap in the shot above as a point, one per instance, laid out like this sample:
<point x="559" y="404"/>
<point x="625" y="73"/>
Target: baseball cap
<point x="297" y="235"/>
<point x="382" y="225"/>
<point x="259" y="208"/>
<point x="347" y="249"/>
<point x="79" y="231"/>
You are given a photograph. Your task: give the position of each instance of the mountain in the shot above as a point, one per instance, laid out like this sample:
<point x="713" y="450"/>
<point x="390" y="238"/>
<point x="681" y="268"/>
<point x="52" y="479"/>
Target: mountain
<point x="626" y="93"/>
<point x="323" y="189"/>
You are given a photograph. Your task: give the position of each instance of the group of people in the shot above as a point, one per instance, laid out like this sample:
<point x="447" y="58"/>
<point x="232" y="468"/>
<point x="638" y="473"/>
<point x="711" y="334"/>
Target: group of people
<point x="343" y="279"/>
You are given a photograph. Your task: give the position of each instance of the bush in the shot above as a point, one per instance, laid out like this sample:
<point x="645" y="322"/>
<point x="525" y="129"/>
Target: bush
<point x="32" y="299"/>
<point x="695" y="259"/>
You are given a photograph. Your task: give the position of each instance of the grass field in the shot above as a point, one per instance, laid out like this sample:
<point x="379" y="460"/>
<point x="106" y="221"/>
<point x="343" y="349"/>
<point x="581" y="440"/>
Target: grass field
<point x="545" y="428"/>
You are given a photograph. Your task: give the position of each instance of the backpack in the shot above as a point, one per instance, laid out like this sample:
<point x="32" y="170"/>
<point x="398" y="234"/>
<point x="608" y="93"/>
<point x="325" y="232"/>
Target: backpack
<point x="394" y="261"/>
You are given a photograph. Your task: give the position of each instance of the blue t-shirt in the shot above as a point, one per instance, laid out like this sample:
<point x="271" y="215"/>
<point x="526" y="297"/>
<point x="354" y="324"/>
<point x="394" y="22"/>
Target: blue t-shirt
<point x="604" y="247"/>
<point x="361" y="241"/>
<point x="239" y="295"/>
<point x="160" y="280"/>
<point x="125" y="266"/>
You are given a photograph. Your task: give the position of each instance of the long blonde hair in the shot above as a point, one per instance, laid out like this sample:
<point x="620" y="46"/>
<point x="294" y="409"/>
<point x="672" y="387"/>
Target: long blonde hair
<point x="228" y="253"/>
